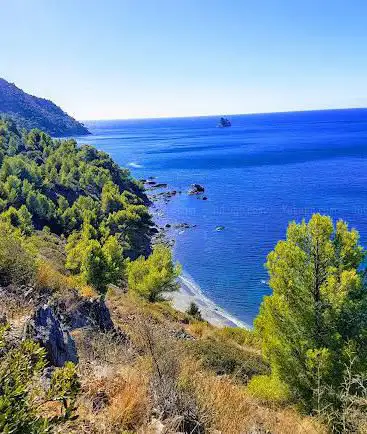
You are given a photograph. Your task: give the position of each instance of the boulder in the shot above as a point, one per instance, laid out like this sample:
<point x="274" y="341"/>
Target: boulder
<point x="183" y="226"/>
<point x="46" y="329"/>
<point x="196" y="189"/>
<point x="159" y="185"/>
<point x="90" y="312"/>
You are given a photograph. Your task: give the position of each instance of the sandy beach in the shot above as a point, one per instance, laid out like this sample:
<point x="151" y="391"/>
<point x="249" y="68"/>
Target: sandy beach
<point x="190" y="292"/>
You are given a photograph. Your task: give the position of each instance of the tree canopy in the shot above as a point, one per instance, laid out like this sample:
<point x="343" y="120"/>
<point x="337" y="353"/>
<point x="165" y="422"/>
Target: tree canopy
<point x="314" y="325"/>
<point x="75" y="191"/>
<point x="150" y="277"/>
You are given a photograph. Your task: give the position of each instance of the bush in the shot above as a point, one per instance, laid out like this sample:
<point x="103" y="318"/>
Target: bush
<point x="194" y="311"/>
<point x="239" y="335"/>
<point x="268" y="388"/>
<point x="47" y="277"/>
<point x="226" y="358"/>
<point x="20" y="400"/>
<point x="17" y="263"/>
<point x="17" y="370"/>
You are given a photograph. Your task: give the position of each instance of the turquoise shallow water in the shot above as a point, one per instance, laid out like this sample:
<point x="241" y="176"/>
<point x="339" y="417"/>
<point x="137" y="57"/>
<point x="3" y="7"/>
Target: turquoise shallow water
<point x="258" y="175"/>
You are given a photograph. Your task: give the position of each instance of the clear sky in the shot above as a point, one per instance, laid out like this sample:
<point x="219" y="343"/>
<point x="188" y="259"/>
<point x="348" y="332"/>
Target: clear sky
<point x="110" y="59"/>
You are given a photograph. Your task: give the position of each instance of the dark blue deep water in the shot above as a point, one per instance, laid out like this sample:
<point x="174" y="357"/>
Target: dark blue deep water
<point x="264" y="171"/>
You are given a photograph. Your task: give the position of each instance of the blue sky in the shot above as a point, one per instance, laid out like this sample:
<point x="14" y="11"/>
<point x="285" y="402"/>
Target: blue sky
<point x="132" y="58"/>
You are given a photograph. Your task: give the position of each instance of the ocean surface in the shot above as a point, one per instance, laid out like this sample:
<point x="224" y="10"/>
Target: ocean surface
<point x="264" y="171"/>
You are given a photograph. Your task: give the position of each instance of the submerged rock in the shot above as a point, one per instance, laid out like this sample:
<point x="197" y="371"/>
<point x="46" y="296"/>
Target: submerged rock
<point x="46" y="329"/>
<point x="160" y="185"/>
<point x="183" y="226"/>
<point x="196" y="189"/>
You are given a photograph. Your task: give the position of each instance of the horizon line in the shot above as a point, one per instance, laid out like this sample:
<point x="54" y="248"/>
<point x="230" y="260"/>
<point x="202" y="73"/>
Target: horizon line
<point x="223" y="114"/>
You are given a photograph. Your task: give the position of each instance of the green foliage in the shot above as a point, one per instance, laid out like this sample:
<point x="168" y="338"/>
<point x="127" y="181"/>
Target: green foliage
<point x="75" y="191"/>
<point x="239" y="335"/>
<point x="94" y="266"/>
<point x="97" y="264"/>
<point x="19" y="218"/>
<point x="59" y="181"/>
<point x="268" y="388"/>
<point x="17" y="262"/>
<point x="20" y="368"/>
<point x="226" y="358"/>
<point x="194" y="311"/>
<point x="64" y="387"/>
<point x="317" y="310"/>
<point x="150" y="277"/>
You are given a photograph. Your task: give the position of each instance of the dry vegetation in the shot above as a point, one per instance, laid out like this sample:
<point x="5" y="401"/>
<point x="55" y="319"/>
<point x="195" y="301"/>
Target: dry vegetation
<point x="159" y="371"/>
<point x="149" y="380"/>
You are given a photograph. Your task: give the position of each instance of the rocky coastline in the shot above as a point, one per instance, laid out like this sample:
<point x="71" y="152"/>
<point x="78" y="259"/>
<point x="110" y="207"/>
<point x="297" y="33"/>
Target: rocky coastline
<point x="160" y="194"/>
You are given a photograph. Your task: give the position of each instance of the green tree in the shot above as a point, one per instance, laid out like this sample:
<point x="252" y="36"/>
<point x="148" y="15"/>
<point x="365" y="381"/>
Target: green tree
<point x="20" y="218"/>
<point x="113" y="254"/>
<point x="94" y="267"/>
<point x="151" y="276"/>
<point x="317" y="310"/>
<point x="98" y="264"/>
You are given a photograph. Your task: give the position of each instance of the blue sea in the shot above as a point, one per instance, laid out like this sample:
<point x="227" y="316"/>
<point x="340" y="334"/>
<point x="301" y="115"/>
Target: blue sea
<point x="264" y="171"/>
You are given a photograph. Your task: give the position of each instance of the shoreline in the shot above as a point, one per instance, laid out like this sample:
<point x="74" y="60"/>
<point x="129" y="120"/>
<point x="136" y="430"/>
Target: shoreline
<point x="189" y="292"/>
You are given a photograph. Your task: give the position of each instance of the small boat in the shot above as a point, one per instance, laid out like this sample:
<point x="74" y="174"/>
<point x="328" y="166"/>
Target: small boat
<point x="224" y="123"/>
<point x="219" y="228"/>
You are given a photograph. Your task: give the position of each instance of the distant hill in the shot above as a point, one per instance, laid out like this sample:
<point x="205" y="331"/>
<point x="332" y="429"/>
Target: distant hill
<point x="32" y="112"/>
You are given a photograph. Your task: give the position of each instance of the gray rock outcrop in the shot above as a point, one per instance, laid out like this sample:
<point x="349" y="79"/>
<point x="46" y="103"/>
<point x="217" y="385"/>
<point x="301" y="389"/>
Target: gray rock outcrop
<point x="196" y="189"/>
<point x="45" y="328"/>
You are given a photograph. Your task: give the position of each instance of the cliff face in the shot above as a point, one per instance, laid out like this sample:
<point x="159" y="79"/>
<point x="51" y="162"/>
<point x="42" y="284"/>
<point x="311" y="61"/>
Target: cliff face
<point x="32" y="112"/>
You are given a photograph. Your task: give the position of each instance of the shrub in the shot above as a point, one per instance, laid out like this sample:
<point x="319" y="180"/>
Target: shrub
<point x="47" y="277"/>
<point x="194" y="311"/>
<point x="20" y="400"/>
<point x="64" y="388"/>
<point x="17" y="262"/>
<point x="226" y="358"/>
<point x="18" y="366"/>
<point x="239" y="335"/>
<point x="268" y="388"/>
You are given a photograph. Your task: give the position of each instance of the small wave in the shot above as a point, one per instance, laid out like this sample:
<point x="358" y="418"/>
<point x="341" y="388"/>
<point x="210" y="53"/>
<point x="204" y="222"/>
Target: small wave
<point x="135" y="165"/>
<point x="196" y="290"/>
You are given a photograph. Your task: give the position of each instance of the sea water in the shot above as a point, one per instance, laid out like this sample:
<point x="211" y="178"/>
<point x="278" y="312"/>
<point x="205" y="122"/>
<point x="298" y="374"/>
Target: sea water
<point x="259" y="174"/>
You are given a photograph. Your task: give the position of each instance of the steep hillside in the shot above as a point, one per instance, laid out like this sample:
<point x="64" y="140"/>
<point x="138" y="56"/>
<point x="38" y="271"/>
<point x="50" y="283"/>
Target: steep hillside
<point x="32" y="112"/>
<point x="89" y="345"/>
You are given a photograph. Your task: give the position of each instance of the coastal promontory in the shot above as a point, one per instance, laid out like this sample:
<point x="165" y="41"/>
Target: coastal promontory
<point x="32" y="112"/>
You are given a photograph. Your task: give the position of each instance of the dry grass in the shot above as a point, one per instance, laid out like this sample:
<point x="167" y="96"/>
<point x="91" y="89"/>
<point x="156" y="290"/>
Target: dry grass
<point x="200" y="329"/>
<point x="102" y="354"/>
<point x="227" y="408"/>
<point x="149" y="382"/>
<point x="115" y="384"/>
<point x="48" y="277"/>
<point x="116" y="403"/>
